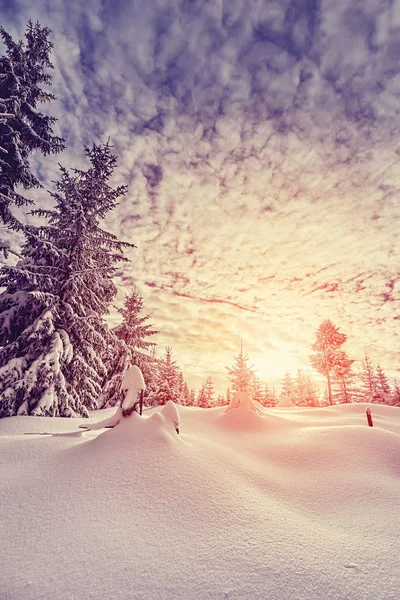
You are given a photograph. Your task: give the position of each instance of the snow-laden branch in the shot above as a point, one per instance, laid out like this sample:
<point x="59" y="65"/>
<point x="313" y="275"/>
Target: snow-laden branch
<point x="6" y="249"/>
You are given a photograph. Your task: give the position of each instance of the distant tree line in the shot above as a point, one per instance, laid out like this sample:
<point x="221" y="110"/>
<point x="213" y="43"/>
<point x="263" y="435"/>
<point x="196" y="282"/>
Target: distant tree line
<point x="343" y="383"/>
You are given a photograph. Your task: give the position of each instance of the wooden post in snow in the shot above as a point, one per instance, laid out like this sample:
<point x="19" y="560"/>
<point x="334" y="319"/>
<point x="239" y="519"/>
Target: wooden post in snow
<point x="369" y="417"/>
<point x="141" y="401"/>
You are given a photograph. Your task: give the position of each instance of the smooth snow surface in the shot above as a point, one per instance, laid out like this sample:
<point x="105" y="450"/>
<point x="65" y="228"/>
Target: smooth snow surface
<point x="280" y="504"/>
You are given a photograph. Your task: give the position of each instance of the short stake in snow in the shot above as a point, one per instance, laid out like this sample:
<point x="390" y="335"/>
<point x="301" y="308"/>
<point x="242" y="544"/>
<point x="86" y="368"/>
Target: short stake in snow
<point x="141" y="401"/>
<point x="369" y="417"/>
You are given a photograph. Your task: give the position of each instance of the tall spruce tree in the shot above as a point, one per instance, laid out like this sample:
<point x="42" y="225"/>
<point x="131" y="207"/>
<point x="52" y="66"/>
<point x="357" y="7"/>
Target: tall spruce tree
<point x="343" y="380"/>
<point x="328" y="354"/>
<point x="345" y="385"/>
<point x="367" y="380"/>
<point x="383" y="389"/>
<point x="23" y="73"/>
<point x="166" y="385"/>
<point x="52" y="329"/>
<point x="241" y="374"/>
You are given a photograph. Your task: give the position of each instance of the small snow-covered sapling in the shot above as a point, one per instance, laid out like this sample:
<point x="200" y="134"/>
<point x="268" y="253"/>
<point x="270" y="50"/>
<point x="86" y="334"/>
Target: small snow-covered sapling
<point x="133" y="387"/>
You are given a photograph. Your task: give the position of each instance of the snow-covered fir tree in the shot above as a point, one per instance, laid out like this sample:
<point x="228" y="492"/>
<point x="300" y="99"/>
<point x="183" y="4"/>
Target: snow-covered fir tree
<point x="181" y="386"/>
<point x="166" y="383"/>
<point x="192" y="397"/>
<point x="274" y="396"/>
<point x="228" y="397"/>
<point x="368" y="381"/>
<point x="149" y="367"/>
<point x="209" y="392"/>
<point x="52" y="329"/>
<point x="185" y="393"/>
<point x="220" y="400"/>
<point x="287" y="387"/>
<point x="345" y="387"/>
<point x="396" y="393"/>
<point x="134" y="328"/>
<point x="305" y="389"/>
<point x="383" y="390"/>
<point x="265" y="395"/>
<point x="240" y="374"/>
<point x="269" y="396"/>
<point x="256" y="390"/>
<point x="35" y="349"/>
<point x="328" y="353"/>
<point x="23" y="73"/>
<point x="132" y="347"/>
<point x="83" y="199"/>
<point x="117" y="360"/>
<point x="202" y="401"/>
<point x="343" y="380"/>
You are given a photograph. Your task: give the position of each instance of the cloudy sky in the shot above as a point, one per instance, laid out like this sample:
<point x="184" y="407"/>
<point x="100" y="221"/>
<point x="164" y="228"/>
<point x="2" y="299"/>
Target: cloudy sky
<point x="260" y="142"/>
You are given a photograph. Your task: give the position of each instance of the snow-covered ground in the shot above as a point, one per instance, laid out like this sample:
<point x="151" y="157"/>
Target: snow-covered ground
<point x="273" y="504"/>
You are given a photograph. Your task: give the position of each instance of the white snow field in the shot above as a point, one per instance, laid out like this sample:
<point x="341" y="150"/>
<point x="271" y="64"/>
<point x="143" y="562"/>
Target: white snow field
<point x="272" y="504"/>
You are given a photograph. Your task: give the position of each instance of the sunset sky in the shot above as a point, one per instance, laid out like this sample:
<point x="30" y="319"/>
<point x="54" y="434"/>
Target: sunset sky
<point x="260" y="141"/>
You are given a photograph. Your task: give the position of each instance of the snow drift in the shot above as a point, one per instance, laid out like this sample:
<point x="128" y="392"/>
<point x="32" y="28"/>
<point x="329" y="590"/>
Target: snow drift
<point x="290" y="505"/>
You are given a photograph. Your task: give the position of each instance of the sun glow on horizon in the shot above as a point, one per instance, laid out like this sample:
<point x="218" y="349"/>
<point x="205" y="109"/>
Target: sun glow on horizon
<point x="272" y="366"/>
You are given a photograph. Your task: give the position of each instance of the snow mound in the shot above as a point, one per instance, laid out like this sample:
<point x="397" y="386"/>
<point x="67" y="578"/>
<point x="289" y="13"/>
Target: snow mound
<point x="243" y="401"/>
<point x="285" y="402"/>
<point x="133" y="379"/>
<point x="132" y="384"/>
<point x="243" y="413"/>
<point x="137" y="430"/>
<point x="171" y="414"/>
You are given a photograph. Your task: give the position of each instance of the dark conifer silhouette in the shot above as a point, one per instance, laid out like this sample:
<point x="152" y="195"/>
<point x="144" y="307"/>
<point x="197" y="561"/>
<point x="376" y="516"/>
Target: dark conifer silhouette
<point x="52" y="331"/>
<point x="24" y="129"/>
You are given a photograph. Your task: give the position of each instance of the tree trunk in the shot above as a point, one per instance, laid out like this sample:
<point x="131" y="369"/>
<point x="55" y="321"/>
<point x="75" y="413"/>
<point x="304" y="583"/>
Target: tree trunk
<point x="346" y="397"/>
